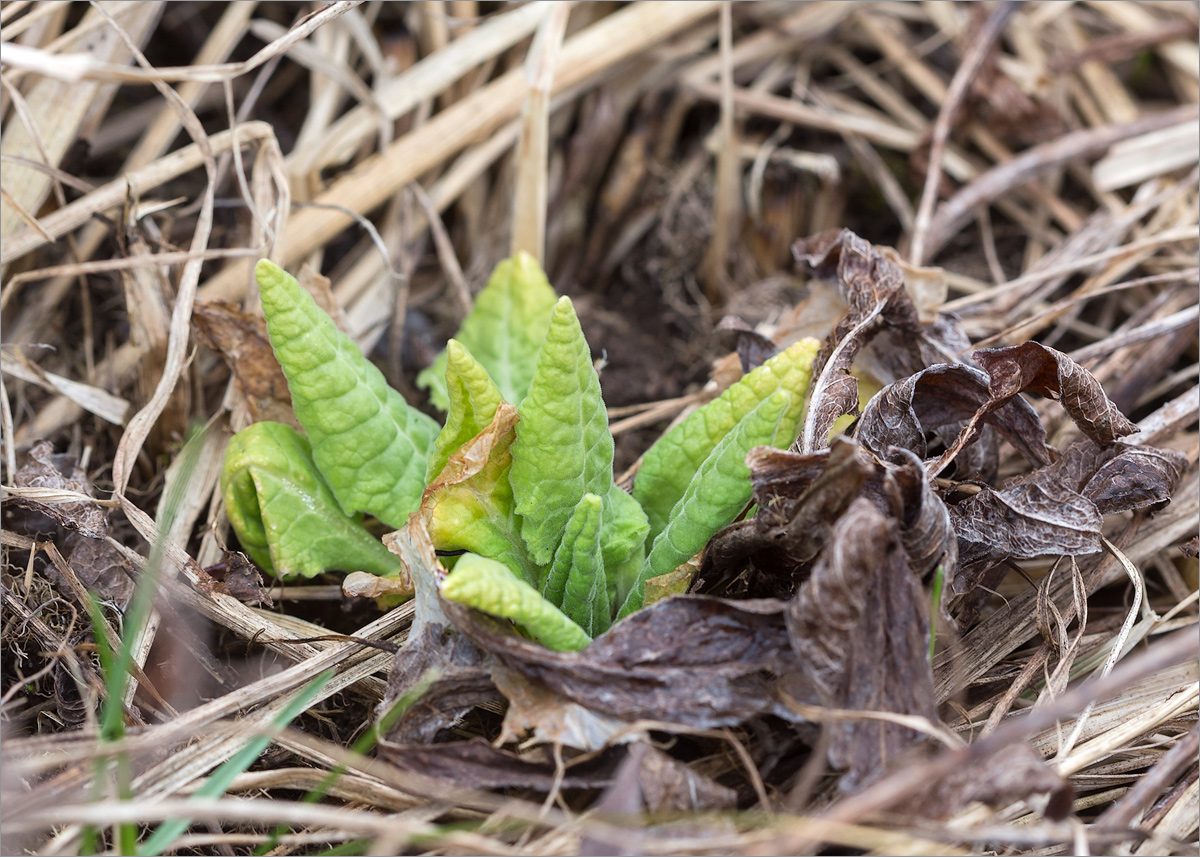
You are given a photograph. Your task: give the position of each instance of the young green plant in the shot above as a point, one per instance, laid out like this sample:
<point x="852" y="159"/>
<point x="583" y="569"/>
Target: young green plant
<point x="520" y="476"/>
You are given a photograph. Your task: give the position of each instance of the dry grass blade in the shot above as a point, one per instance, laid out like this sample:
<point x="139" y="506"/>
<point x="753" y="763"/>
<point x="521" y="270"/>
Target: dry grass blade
<point x="529" y="206"/>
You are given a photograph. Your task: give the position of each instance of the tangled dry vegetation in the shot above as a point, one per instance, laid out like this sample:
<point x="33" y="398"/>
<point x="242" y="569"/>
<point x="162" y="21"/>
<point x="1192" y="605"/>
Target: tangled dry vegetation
<point x="662" y="158"/>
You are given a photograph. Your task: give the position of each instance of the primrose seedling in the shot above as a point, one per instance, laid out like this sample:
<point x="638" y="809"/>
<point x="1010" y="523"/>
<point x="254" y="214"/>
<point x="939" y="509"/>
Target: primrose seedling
<point x="549" y="540"/>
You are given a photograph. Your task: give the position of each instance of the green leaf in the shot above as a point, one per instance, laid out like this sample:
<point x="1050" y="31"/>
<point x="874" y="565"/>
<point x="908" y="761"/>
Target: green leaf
<point x="563" y="448"/>
<point x="284" y="514"/>
<point x="490" y="586"/>
<point x="718" y="491"/>
<point x="625" y="526"/>
<point x="473" y="400"/>
<point x="470" y="505"/>
<point x="668" y="467"/>
<point x="503" y="331"/>
<point x="576" y="581"/>
<point x="370" y="446"/>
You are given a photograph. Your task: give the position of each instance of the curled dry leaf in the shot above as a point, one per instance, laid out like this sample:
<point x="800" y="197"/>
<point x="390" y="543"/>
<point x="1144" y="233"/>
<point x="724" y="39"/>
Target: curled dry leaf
<point x="100" y="567"/>
<point x="462" y="683"/>
<point x="691" y="660"/>
<point x="873" y="287"/>
<point x="550" y="719"/>
<point x="1137" y="477"/>
<point x="235" y="575"/>
<point x="799" y="498"/>
<point x="1036" y="368"/>
<point x="860" y="627"/>
<point x="947" y="394"/>
<point x="1026" y="520"/>
<point x="241" y="340"/>
<point x="477" y="764"/>
<point x="998" y="780"/>
<point x="926" y="530"/>
<point x="753" y="349"/>
<point x="44" y="469"/>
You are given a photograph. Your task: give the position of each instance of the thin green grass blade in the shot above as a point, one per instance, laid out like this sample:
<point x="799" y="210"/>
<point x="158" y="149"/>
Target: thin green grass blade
<point x="365" y="744"/>
<point x="220" y="780"/>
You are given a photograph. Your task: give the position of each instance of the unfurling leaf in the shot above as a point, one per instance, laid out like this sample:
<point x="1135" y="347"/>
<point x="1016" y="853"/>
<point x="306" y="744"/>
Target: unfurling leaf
<point x="503" y="331"/>
<point x="473" y="401"/>
<point x="563" y="448"/>
<point x="285" y="515"/>
<point x="369" y="444"/>
<point x="717" y="492"/>
<point x="490" y="586"/>
<point x="669" y="466"/>
<point x="470" y="505"/>
<point x="625" y="527"/>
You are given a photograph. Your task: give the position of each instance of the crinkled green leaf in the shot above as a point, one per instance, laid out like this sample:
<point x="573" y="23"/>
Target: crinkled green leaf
<point x="370" y="446"/>
<point x="623" y="576"/>
<point x="492" y="587"/>
<point x="563" y="448"/>
<point x="668" y="467"/>
<point x="625" y="526"/>
<point x="576" y="581"/>
<point x="504" y="330"/>
<point x="473" y="400"/>
<point x="718" y="491"/>
<point x="470" y="505"/>
<point x="284" y="514"/>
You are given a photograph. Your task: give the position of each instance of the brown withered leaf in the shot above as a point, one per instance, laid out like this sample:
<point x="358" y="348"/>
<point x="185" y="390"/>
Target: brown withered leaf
<point x="550" y="719"/>
<point x="475" y="764"/>
<point x="1137" y="477"/>
<point x="622" y="797"/>
<point x="1036" y="368"/>
<point x="462" y="682"/>
<point x="100" y="567"/>
<point x="1026" y="520"/>
<point x="872" y="285"/>
<point x="753" y="349"/>
<point x="799" y="498"/>
<point x="69" y="702"/>
<point x="946" y="395"/>
<point x="926" y="531"/>
<point x="668" y="785"/>
<point x="238" y="577"/>
<point x="648" y="780"/>
<point x="44" y="469"/>
<point x="998" y="780"/>
<point x="692" y="660"/>
<point x="241" y="341"/>
<point x="860" y="627"/>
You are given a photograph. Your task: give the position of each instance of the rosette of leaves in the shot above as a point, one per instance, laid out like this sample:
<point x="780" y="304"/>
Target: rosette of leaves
<point x="520" y="477"/>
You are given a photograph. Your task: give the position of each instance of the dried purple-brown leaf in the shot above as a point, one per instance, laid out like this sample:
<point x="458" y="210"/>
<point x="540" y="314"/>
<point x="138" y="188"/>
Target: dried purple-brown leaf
<point x="1036" y="368"/>
<point x="860" y="627"/>
<point x="692" y="660"/>
<point x="872" y="284"/>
